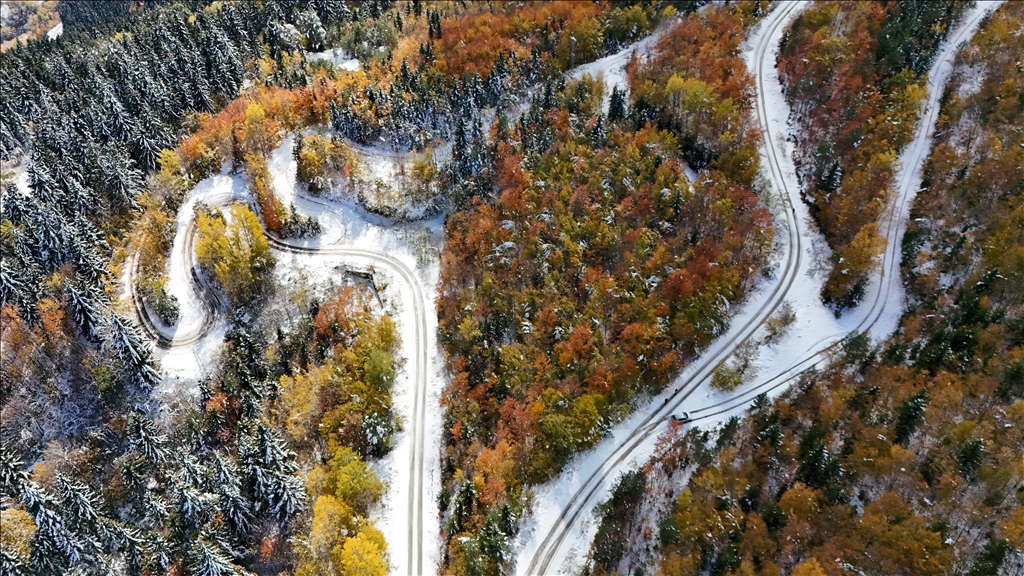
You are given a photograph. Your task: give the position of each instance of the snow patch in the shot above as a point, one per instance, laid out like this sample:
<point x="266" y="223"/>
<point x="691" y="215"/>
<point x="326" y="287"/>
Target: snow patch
<point x="339" y="57"/>
<point x="383" y="183"/>
<point x="971" y="79"/>
<point x="55" y="32"/>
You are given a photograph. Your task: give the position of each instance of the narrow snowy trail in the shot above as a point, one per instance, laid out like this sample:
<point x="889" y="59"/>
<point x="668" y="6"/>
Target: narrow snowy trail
<point x="557" y="537"/>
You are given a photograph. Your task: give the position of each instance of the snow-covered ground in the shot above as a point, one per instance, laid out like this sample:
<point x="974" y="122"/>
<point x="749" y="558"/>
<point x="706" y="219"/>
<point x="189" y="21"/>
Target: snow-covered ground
<point x="556" y="538"/>
<point x="55" y="32"/>
<point x="20" y="177"/>
<point x="385" y="180"/>
<point x="341" y="59"/>
<point x="612" y="68"/>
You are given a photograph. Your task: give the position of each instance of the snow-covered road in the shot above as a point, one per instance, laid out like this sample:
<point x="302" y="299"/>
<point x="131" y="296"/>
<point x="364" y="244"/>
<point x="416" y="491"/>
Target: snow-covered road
<point x="556" y="538"/>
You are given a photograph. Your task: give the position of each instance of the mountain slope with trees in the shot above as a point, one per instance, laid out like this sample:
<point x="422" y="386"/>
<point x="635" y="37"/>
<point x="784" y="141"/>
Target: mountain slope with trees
<point x="114" y="121"/>
<point x="898" y="459"/>
<point x="592" y="273"/>
<point x="92" y="475"/>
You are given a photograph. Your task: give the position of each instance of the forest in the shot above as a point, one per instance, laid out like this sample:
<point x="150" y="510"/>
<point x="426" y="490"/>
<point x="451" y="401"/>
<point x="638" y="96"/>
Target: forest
<point x="855" y="75"/>
<point x="898" y="458"/>
<point x="594" y="272"/>
<point x="597" y="240"/>
<point x="269" y="467"/>
<point x="95" y="473"/>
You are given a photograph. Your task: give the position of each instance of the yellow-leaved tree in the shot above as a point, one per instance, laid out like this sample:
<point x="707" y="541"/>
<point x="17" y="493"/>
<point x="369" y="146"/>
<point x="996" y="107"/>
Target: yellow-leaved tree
<point x="851" y="265"/>
<point x="18" y="532"/>
<point x="342" y="541"/>
<point x="236" y="252"/>
<point x="362" y="555"/>
<point x="809" y="567"/>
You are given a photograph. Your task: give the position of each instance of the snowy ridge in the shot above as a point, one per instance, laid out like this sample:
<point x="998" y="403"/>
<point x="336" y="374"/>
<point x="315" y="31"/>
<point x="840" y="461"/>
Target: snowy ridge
<point x="556" y="539"/>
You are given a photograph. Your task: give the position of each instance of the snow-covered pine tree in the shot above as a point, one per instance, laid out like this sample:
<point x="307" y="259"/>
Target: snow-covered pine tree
<point x="206" y="557"/>
<point x="267" y="465"/>
<point x="12" y="566"/>
<point x="496" y="80"/>
<point x="84" y="304"/>
<point x="598" y="134"/>
<point x="124" y="342"/>
<point x="146" y="439"/>
<point x="312" y="29"/>
<point x="617" y="105"/>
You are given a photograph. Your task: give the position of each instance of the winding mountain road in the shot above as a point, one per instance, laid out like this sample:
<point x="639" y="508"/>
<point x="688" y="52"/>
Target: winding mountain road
<point x="414" y="295"/>
<point x="558" y="531"/>
<point x="558" y="537"/>
<point x="887" y="295"/>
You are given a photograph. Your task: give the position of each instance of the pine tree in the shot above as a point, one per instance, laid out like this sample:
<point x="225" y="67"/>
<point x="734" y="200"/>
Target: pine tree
<point x="910" y="414"/>
<point x="123" y="340"/>
<point x="12" y="475"/>
<point x="404" y="74"/>
<point x="77" y="502"/>
<point x="434" y="24"/>
<point x="287" y="496"/>
<point x="206" y="557"/>
<point x="84" y="304"/>
<point x="299" y="139"/>
<point x="14" y="287"/>
<point x="309" y="24"/>
<point x="598" y="134"/>
<point x="268" y="467"/>
<point x="11" y="566"/>
<point x="145" y="438"/>
<point x="235" y="508"/>
<point x="617" y="105"/>
<point x="427" y="51"/>
<point x="496" y="80"/>
<point x="192" y="508"/>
